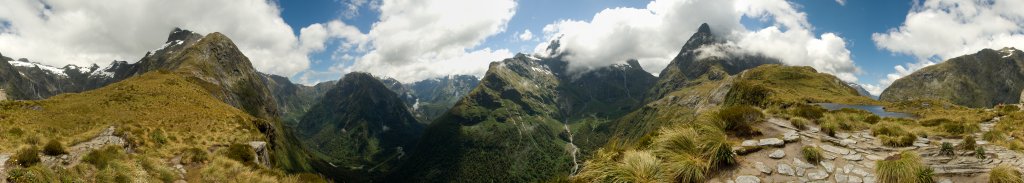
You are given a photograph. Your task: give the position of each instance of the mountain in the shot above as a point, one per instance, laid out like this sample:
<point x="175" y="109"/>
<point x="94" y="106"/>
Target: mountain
<point x="26" y="80"/>
<point x="294" y="100"/>
<point x="360" y="125"/>
<point x="860" y="89"/>
<point x="983" y="79"/>
<point x="705" y="56"/>
<point x="517" y="124"/>
<point x="435" y="96"/>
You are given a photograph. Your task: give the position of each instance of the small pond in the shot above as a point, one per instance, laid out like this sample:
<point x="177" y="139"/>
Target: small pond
<point x="877" y="110"/>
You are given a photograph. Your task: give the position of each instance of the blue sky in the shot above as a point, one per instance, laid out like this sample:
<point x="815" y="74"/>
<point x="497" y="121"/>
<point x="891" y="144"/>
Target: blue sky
<point x="855" y="21"/>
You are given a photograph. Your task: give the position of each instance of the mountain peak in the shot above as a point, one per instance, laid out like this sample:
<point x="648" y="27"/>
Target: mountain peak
<point x="704" y="28"/>
<point x="179" y="34"/>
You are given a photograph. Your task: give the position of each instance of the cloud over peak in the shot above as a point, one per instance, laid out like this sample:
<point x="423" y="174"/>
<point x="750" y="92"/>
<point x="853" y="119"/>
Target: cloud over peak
<point x="654" y="34"/>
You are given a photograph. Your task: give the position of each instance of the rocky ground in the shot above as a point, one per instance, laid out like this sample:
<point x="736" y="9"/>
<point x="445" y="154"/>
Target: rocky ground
<point x="851" y="157"/>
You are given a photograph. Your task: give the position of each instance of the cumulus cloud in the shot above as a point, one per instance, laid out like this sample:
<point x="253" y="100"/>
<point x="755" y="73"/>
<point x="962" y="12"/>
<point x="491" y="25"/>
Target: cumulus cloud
<point x="526" y="35"/>
<point x="937" y="30"/>
<point x="841" y="2"/>
<point x="416" y="40"/>
<point x="61" y="32"/>
<point x="654" y="34"/>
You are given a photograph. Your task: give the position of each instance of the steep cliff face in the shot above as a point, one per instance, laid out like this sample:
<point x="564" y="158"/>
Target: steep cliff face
<point x="983" y="79"/>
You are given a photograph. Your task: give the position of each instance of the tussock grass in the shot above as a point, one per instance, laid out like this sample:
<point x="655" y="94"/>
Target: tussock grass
<point x="799" y="122"/>
<point x="969" y="142"/>
<point x="905" y="167"/>
<point x="812" y="154"/>
<point x="54" y="148"/>
<point x="893" y="135"/>
<point x="946" y="149"/>
<point x="1005" y="174"/>
<point x="740" y="120"/>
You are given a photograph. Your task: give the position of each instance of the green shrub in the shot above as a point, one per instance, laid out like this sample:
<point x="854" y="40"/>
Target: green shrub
<point x="799" y="122"/>
<point x="979" y="152"/>
<point x="741" y="119"/>
<point x="968" y="143"/>
<point x="812" y="154"/>
<point x="54" y="148"/>
<point x="1007" y="109"/>
<point x="812" y="112"/>
<point x="904" y="167"/>
<point x="241" y="153"/>
<point x="158" y="136"/>
<point x="946" y="149"/>
<point x="102" y="158"/>
<point x="16" y="131"/>
<point x="26" y="157"/>
<point x="1004" y="174"/>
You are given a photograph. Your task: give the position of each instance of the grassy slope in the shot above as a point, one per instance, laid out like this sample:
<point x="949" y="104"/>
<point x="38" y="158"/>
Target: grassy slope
<point x="188" y="116"/>
<point x="182" y="111"/>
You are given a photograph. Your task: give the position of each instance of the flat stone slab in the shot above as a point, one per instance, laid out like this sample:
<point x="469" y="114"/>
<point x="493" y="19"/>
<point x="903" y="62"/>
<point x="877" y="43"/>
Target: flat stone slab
<point x="829" y="167"/>
<point x="778" y="154"/>
<point x="749" y="143"/>
<point x="854" y="157"/>
<point x="763" y="168"/>
<point x="801" y="164"/>
<point x="773" y="142"/>
<point x="791" y="136"/>
<point x="747" y="179"/>
<point x="817" y="175"/>
<point x="785" y="169"/>
<point x="836" y="150"/>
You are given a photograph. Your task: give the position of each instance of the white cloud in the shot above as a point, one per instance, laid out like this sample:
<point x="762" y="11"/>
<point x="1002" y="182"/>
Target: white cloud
<point x="87" y="32"/>
<point x="841" y="2"/>
<point x="874" y="90"/>
<point x="654" y="34"/>
<point x="937" y="30"/>
<point x="416" y="40"/>
<point x="526" y="35"/>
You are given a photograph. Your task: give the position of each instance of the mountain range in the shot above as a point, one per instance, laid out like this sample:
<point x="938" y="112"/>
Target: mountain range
<point x="530" y="118"/>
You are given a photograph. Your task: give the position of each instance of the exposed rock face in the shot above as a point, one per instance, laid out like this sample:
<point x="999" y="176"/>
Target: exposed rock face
<point x="294" y="100"/>
<point x="983" y="79"/>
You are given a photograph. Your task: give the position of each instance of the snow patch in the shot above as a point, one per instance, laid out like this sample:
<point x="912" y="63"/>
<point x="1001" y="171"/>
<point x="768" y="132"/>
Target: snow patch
<point x="47" y="68"/>
<point x="541" y="69"/>
<point x="168" y="44"/>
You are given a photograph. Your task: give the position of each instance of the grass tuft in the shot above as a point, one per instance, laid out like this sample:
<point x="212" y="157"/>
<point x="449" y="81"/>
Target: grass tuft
<point x="905" y="167"/>
<point x="26" y="157"/>
<point x="1005" y="174"/>
<point x="812" y="154"/>
<point x="54" y="148"/>
<point x="741" y="119"/>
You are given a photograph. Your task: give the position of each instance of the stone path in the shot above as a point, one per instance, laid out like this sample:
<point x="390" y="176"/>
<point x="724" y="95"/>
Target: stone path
<point x="851" y="157"/>
<point x="78" y="151"/>
<point x="3" y="161"/>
